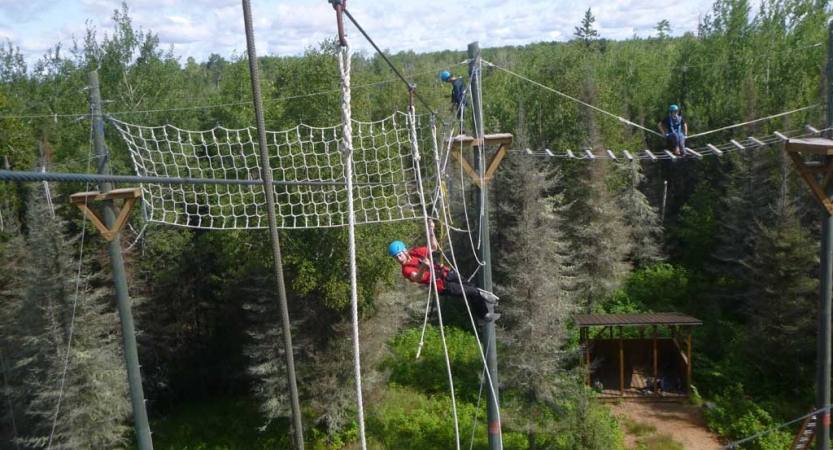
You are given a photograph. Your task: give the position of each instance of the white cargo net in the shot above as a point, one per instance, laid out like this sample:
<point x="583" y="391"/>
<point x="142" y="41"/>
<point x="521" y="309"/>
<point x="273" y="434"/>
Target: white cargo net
<point x="307" y="166"/>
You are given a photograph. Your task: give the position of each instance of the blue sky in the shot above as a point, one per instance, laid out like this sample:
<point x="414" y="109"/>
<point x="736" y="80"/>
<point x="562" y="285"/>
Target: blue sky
<point x="198" y="28"/>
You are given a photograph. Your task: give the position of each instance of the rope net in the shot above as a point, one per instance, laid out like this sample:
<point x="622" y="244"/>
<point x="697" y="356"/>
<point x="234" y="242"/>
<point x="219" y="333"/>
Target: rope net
<point x="307" y="160"/>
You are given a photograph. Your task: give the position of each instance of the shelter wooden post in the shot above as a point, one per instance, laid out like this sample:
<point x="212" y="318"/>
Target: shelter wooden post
<point x="621" y="363"/>
<point x="688" y="366"/>
<point x="655" y="359"/>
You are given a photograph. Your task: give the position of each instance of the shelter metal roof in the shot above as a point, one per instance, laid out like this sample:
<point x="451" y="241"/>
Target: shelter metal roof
<point x="600" y="320"/>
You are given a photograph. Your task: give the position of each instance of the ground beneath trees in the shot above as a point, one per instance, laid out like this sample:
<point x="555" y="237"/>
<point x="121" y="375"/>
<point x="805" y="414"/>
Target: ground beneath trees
<point x="683" y="422"/>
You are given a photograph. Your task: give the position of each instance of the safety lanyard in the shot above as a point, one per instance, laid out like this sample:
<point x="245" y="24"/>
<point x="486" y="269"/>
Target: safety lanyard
<point x="674" y="124"/>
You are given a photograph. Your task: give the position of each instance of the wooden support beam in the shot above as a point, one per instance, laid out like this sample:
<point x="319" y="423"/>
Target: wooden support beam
<point x="811" y="129"/>
<point x="570" y="154"/>
<point x="628" y="155"/>
<point x="466" y="166"/>
<point x="590" y="155"/>
<point x="757" y="142"/>
<point x="688" y="368"/>
<point x="621" y="363"/>
<point x="811" y="181"/>
<point x="83" y="199"/>
<point x="737" y="144"/>
<point x="655" y="359"/>
<point x="716" y="150"/>
<point x="696" y="154"/>
<point x="549" y="153"/>
<point x="495" y="161"/>
<point x="670" y="155"/>
<point x="489" y="139"/>
<point x="816" y="146"/>
<point x="651" y="155"/>
<point x="611" y="155"/>
<point x="780" y="136"/>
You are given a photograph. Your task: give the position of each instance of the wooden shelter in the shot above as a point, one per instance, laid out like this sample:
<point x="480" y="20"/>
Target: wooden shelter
<point x="635" y="366"/>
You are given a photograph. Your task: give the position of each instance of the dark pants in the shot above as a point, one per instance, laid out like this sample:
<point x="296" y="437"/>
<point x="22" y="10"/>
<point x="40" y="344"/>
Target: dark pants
<point x="451" y="286"/>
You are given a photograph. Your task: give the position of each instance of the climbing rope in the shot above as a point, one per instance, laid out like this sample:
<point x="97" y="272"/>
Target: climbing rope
<point x="347" y="148"/>
<point x="429" y="240"/>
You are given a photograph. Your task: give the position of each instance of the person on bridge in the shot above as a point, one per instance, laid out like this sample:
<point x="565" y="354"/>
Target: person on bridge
<point x="416" y="269"/>
<point x="674" y="128"/>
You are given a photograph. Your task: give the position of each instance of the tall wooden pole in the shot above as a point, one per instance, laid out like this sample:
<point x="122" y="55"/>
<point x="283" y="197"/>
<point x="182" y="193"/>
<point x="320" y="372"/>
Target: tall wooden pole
<point x="128" y="332"/>
<point x="487" y="334"/>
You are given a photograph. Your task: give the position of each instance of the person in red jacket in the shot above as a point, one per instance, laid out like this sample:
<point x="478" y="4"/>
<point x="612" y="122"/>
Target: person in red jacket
<point x="416" y="269"/>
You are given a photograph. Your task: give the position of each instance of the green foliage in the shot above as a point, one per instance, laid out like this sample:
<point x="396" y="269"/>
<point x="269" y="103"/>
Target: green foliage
<point x="428" y="374"/>
<point x="735" y="417"/>
<point x="218" y="424"/>
<point x="661" y="287"/>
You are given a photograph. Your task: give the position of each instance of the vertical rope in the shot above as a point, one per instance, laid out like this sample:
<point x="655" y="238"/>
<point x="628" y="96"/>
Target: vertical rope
<point x="347" y="148"/>
<point x="412" y="128"/>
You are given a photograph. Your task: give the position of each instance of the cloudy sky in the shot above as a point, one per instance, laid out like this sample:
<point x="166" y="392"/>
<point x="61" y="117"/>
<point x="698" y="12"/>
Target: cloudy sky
<point x="198" y="28"/>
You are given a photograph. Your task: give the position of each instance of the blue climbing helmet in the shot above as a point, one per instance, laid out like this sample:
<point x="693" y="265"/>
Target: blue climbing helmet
<point x="673" y="108"/>
<point x="445" y="75"/>
<point x="396" y="247"/>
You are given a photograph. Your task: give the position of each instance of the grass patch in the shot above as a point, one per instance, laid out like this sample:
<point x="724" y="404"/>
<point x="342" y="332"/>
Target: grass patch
<point x="662" y="441"/>
<point x="637" y="429"/>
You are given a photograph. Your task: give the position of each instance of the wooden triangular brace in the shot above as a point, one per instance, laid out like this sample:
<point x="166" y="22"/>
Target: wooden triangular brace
<point x="83" y="199"/>
<point x="503" y="139"/>
<point x="808" y="170"/>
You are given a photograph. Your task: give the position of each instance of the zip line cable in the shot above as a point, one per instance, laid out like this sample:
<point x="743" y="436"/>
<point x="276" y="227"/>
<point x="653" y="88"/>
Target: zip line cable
<point x="410" y="86"/>
<point x="621" y="119"/>
<point x="754" y="121"/>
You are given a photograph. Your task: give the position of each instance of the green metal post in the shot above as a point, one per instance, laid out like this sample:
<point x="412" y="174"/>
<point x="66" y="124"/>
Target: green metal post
<point x="269" y="193"/>
<point x="487" y="333"/>
<point x="128" y="332"/>
<point x="826" y="281"/>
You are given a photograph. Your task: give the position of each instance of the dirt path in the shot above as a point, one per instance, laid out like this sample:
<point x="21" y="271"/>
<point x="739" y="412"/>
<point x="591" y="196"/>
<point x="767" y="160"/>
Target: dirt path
<point x="685" y="423"/>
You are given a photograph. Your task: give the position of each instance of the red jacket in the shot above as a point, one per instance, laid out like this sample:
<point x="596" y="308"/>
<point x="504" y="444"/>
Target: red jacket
<point x="413" y="265"/>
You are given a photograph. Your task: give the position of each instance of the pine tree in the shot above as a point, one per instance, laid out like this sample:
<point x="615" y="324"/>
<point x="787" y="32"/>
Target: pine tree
<point x="586" y="33"/>
<point x="641" y="218"/>
<point x="537" y="297"/>
<point x="58" y="309"/>
<point x="783" y="302"/>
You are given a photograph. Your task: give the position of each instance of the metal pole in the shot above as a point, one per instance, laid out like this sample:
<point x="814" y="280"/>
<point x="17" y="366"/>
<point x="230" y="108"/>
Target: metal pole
<point x="487" y="334"/>
<point x="128" y="332"/>
<point x="266" y="176"/>
<point x="826" y="281"/>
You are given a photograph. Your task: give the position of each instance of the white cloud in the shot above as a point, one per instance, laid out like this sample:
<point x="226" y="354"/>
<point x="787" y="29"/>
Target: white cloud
<point x="286" y="27"/>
